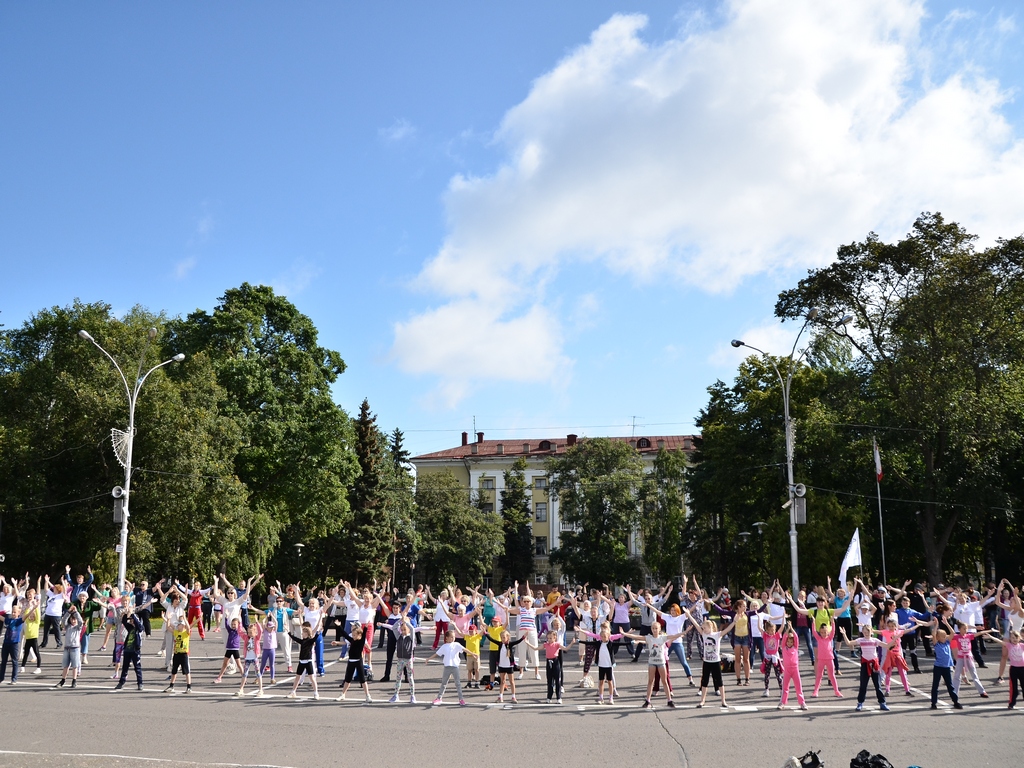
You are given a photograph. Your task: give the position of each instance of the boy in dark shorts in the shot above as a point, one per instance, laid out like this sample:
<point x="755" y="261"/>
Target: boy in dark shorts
<point x="179" y="661"/>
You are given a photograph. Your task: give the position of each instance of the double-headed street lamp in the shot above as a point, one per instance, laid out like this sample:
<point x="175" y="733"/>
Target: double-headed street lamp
<point x="787" y="383"/>
<point x="123" y="441"/>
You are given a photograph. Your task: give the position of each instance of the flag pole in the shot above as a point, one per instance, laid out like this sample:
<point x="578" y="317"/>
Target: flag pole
<point x="881" y="530"/>
<point x="878" y="489"/>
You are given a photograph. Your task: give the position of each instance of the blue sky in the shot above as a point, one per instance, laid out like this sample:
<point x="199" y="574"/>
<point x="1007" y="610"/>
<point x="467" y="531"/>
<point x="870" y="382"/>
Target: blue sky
<point x="551" y="217"/>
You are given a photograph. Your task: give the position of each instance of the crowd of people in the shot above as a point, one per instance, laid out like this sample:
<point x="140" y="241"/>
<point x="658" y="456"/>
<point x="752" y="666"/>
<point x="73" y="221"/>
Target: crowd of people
<point x="487" y="641"/>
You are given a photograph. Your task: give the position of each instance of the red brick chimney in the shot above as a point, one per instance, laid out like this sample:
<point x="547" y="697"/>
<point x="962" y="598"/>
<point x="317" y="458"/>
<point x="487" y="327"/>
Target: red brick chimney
<point x="570" y="440"/>
<point x="465" y="438"/>
<point x="479" y="437"/>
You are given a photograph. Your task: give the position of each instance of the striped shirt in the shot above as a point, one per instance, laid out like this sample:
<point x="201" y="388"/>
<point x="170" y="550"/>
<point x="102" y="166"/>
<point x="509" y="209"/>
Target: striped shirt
<point x="527" y="620"/>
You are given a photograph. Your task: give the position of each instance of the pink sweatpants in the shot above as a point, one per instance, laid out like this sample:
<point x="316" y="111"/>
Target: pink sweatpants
<point x="791" y="675"/>
<point x="828" y="664"/>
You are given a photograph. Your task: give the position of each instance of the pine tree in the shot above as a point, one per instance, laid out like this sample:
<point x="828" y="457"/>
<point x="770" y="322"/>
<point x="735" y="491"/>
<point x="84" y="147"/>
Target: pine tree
<point x="399" y="455"/>
<point x="517" y="561"/>
<point x="372" y="529"/>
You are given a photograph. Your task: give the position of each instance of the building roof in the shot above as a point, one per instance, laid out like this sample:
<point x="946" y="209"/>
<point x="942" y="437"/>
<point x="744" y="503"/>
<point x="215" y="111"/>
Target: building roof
<point x="551" y="446"/>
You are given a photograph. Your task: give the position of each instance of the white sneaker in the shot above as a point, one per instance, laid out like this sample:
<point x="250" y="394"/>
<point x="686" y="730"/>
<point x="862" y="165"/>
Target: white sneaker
<point x="369" y="700"/>
<point x="291" y="695"/>
<point x="37" y="671"/>
<point x="316" y="697"/>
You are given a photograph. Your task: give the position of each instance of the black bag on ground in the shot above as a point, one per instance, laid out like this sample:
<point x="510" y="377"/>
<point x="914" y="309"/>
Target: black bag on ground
<point x="865" y="759"/>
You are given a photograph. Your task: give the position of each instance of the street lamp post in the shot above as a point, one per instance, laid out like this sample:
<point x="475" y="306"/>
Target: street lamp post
<point x="787" y="383"/>
<point x="124" y="450"/>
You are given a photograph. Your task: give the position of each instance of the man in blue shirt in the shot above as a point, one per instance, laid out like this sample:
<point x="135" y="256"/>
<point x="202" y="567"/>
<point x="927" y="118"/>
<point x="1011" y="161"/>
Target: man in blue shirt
<point x="905" y="614"/>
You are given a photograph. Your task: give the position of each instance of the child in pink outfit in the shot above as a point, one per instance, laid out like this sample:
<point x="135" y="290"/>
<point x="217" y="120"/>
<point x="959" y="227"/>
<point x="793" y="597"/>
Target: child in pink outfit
<point x="791" y="667"/>
<point x="894" y="658"/>
<point x="772" y="640"/>
<point x="825" y="635"/>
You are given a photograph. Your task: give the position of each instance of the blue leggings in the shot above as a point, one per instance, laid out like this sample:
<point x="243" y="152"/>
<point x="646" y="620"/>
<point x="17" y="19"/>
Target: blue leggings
<point x="677" y="649"/>
<point x="320" y="653"/>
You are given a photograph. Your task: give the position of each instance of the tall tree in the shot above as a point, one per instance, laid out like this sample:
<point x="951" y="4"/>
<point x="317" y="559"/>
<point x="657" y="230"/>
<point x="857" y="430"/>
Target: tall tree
<point x="738" y="477"/>
<point x="372" y="529"/>
<point x="939" y="337"/>
<point x="396" y="447"/>
<point x="458" y="542"/>
<point x="295" y="460"/>
<point x="663" y="514"/>
<point x="401" y="507"/>
<point x="517" y="560"/>
<point x="59" y="398"/>
<point x="598" y="484"/>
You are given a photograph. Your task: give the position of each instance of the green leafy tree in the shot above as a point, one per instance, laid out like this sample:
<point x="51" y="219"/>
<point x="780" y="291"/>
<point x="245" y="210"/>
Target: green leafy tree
<point x="738" y="476"/>
<point x="296" y="459"/>
<point x="938" y="337"/>
<point x="598" y="484"/>
<point x="663" y="514"/>
<point x="457" y="541"/>
<point x="517" y="560"/>
<point x="59" y="398"/>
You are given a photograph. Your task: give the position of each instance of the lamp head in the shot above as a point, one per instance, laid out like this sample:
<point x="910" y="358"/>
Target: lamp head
<point x="812" y="313"/>
<point x="152" y="333"/>
<point x="734" y="342"/>
<point x="178" y="357"/>
<point x="85" y="335"/>
<point x="845" y="320"/>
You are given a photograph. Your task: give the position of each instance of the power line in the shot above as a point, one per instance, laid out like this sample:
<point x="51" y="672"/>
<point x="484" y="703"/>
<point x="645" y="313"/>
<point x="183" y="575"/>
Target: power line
<point x="63" y="503"/>
<point x="911" y="501"/>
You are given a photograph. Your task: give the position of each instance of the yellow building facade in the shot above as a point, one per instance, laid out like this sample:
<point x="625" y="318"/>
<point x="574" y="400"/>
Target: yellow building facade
<point x="480" y="464"/>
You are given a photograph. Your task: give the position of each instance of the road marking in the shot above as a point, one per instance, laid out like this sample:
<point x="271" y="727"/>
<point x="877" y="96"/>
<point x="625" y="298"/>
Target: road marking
<point x="137" y="757"/>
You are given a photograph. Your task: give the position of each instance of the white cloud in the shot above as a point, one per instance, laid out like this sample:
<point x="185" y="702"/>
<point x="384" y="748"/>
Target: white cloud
<point x="295" y="280"/>
<point x="771" y="336"/>
<point x="399" y="130"/>
<point x="185" y="266"/>
<point x="472" y="340"/>
<point x="755" y="146"/>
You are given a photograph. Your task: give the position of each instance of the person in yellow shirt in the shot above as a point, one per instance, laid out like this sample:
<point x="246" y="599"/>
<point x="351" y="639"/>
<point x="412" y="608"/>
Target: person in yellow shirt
<point x="30" y="638"/>
<point x="182" y="634"/>
<point x="494" y="630"/>
<point x="471" y="640"/>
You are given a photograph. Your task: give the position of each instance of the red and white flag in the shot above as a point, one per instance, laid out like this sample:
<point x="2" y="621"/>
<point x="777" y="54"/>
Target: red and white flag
<point x="878" y="461"/>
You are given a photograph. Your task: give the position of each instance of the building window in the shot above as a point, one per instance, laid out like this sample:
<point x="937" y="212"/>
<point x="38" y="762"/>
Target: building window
<point x="487" y="483"/>
<point x="545" y="445"/>
<point x="540" y="483"/>
<point x="541" y="545"/>
<point x="487" y="506"/>
<point x="643" y="442"/>
<point x="542" y="511"/>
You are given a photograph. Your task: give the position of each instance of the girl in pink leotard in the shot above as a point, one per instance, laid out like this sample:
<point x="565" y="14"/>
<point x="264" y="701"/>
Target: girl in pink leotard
<point x="825" y="635"/>
<point x="791" y="667"/>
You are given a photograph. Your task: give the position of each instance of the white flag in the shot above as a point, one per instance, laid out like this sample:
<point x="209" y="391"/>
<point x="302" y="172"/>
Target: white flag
<point x="852" y="557"/>
<point x="878" y="461"/>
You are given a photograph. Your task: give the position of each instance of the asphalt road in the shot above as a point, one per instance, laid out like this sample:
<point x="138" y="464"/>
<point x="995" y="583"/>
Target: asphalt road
<point x="92" y="726"/>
